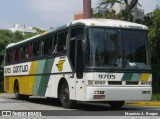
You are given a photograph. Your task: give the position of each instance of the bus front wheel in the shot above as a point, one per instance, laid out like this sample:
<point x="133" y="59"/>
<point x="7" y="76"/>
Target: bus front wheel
<point x="64" y="97"/>
<point x="116" y="104"/>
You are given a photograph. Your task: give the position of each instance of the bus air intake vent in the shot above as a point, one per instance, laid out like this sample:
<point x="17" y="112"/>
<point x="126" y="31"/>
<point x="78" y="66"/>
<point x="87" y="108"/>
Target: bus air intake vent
<point x="115" y="82"/>
<point x="132" y="82"/>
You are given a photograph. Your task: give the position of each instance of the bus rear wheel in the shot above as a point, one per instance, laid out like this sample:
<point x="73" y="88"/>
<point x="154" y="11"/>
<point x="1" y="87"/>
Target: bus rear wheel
<point x="116" y="104"/>
<point x="64" y="97"/>
<point x="19" y="96"/>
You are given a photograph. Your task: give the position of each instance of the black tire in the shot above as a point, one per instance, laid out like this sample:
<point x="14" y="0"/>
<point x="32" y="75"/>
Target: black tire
<point x="116" y="104"/>
<point x="54" y="101"/>
<point x="64" y="97"/>
<point x="17" y="95"/>
<point x="16" y="91"/>
<point x="24" y="97"/>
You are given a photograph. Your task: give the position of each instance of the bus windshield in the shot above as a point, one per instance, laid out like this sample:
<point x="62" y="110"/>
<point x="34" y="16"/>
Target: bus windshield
<point x="119" y="48"/>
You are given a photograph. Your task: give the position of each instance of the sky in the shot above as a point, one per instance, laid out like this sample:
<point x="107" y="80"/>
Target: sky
<point x="47" y="13"/>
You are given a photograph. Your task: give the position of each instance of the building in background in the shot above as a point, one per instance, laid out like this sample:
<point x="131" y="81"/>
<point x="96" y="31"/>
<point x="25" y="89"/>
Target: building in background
<point x="78" y="15"/>
<point x="87" y="11"/>
<point x="22" y="28"/>
<point x="137" y="11"/>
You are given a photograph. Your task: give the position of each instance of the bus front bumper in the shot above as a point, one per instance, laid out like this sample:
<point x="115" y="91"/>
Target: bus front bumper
<point x="118" y="93"/>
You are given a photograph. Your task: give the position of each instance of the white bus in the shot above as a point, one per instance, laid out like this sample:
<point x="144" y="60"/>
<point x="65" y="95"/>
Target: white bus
<point x="89" y="60"/>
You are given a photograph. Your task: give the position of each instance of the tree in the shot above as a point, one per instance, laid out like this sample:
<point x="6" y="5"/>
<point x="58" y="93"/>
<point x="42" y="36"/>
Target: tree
<point x="38" y="30"/>
<point x="128" y="8"/>
<point x="152" y="20"/>
<point x="7" y="37"/>
<point x="112" y="15"/>
<point x="107" y="3"/>
<point x="107" y="14"/>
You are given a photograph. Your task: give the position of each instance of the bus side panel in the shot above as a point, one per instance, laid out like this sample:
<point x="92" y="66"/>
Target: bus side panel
<point x="26" y="84"/>
<point x="72" y="85"/>
<point x="51" y="87"/>
<point x="6" y="84"/>
<point x="9" y="84"/>
<point x="61" y="69"/>
<point x="41" y="80"/>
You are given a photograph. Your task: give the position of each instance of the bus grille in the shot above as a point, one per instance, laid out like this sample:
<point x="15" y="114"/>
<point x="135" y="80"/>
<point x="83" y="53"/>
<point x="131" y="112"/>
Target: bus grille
<point x="123" y="83"/>
<point x="132" y="82"/>
<point x="115" y="82"/>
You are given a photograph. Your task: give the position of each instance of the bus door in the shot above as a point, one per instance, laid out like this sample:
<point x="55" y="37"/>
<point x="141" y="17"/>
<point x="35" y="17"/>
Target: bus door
<point x="80" y="82"/>
<point x="77" y="58"/>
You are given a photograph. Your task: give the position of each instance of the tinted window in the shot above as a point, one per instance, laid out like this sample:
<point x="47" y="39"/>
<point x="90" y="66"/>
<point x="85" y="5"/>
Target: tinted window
<point x="75" y="32"/>
<point x="105" y="48"/>
<point x="61" y="42"/>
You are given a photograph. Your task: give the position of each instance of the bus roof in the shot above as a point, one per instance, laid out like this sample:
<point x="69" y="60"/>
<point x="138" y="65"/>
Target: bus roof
<point x="91" y="22"/>
<point x="110" y="23"/>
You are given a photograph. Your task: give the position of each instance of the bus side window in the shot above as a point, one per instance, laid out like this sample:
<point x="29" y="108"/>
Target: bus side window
<point x="66" y="40"/>
<point x="35" y="49"/>
<point x="21" y="50"/>
<point x="26" y="52"/>
<point x="19" y="54"/>
<point x="74" y="33"/>
<point x="30" y="50"/>
<point x="13" y="53"/>
<point x="46" y="46"/>
<point x="42" y="47"/>
<point x="61" y="44"/>
<point x="77" y="31"/>
<point x="50" y="44"/>
<point x="7" y="56"/>
<point x="16" y="55"/>
<point x="54" y="44"/>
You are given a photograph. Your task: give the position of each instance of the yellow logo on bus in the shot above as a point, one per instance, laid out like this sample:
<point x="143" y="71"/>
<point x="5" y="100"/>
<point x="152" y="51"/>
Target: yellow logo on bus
<point x="60" y="65"/>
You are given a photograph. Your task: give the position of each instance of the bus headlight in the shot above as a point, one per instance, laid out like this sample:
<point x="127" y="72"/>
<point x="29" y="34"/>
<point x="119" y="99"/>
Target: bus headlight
<point x="90" y="82"/>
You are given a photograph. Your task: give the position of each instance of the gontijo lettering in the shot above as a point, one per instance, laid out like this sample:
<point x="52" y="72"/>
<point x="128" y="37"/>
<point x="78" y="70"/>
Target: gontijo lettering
<point x="21" y="68"/>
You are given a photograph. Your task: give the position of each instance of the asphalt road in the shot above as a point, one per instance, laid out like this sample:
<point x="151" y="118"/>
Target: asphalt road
<point x="52" y="107"/>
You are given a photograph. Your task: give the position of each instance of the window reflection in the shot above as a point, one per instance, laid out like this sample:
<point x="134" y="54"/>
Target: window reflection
<point x="104" y="47"/>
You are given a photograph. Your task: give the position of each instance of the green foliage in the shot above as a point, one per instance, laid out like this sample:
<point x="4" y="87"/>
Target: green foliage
<point x="7" y="37"/>
<point x="107" y="14"/>
<point x="112" y="15"/>
<point x="152" y="20"/>
<point x="106" y="3"/>
<point x="124" y="14"/>
<point x="39" y="31"/>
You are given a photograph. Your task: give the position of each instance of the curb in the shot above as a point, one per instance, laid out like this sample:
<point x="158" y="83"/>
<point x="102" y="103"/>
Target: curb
<point x="151" y="103"/>
<point x="5" y="95"/>
<point x="145" y="103"/>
